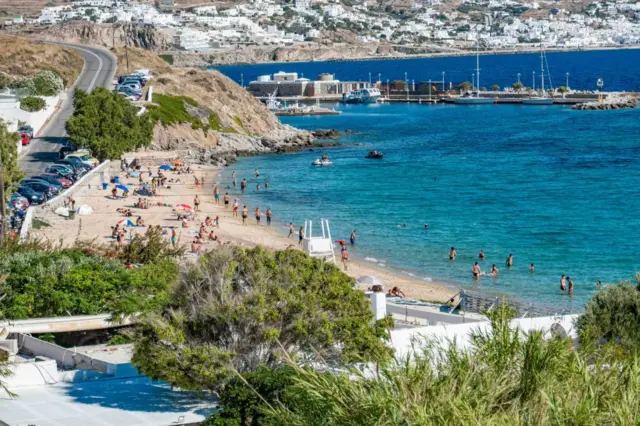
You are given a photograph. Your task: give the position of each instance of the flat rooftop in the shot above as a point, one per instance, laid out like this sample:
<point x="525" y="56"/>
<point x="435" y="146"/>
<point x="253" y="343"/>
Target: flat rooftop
<point x="119" y="402"/>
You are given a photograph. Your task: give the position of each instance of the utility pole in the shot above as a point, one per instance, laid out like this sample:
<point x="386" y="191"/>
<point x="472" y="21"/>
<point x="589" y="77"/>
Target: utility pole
<point x="3" y="206"/>
<point x="126" y="54"/>
<point x="443" y="88"/>
<point x="518" y="77"/>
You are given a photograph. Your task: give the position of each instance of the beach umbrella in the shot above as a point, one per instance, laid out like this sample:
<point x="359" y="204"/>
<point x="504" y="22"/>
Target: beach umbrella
<point x="123" y="187"/>
<point x="369" y="280"/>
<point x="177" y="161"/>
<point x="126" y="222"/>
<point x="184" y="206"/>
<point x="62" y="211"/>
<point x="165" y="167"/>
<point x="85" y="209"/>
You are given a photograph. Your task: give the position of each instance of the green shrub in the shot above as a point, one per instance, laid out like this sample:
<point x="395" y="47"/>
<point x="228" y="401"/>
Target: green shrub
<point x="167" y="58"/>
<point x="171" y="110"/>
<point x="48" y="83"/>
<point x="32" y="104"/>
<point x="119" y="339"/>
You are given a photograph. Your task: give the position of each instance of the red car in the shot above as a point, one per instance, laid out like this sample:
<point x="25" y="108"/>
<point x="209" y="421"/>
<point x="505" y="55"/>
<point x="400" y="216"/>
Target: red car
<point x="25" y="139"/>
<point x="52" y="178"/>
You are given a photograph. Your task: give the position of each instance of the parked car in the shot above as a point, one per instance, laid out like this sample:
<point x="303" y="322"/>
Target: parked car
<point x="50" y="191"/>
<point x="35" y="179"/>
<point x="66" y="150"/>
<point x="88" y="154"/>
<point x="62" y="170"/>
<point x="84" y="159"/>
<point x="32" y="195"/>
<point x="131" y="85"/>
<point x="26" y="129"/>
<point x="76" y="165"/>
<point x="52" y="178"/>
<point x="19" y="201"/>
<point x="129" y="92"/>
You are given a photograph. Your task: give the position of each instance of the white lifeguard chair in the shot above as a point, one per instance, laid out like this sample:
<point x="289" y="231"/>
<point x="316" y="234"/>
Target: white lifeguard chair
<point x="320" y="246"/>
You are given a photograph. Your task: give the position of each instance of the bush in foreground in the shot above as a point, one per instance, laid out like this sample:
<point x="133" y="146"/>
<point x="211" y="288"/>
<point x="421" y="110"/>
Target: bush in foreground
<point x="32" y="104"/>
<point x="238" y="309"/>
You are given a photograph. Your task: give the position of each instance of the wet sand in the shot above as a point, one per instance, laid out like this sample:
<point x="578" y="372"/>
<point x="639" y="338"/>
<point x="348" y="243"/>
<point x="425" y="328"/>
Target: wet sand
<point x="97" y="226"/>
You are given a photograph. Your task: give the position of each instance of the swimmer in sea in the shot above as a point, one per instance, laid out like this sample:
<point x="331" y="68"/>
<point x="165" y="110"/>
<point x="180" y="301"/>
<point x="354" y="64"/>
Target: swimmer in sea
<point x="481" y="255"/>
<point x="352" y="237"/>
<point x="476" y="271"/>
<point x="494" y="270"/>
<point x="599" y="284"/>
<point x="563" y="285"/>
<point x="452" y="253"/>
<point x="532" y="268"/>
<point x="426" y="226"/>
<point x="570" y="285"/>
<point x="510" y="261"/>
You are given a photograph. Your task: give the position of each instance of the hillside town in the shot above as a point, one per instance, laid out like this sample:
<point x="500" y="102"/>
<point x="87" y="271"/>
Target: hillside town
<point x="493" y="24"/>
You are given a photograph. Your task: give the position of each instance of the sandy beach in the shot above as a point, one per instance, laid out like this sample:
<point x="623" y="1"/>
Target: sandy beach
<point x="97" y="226"/>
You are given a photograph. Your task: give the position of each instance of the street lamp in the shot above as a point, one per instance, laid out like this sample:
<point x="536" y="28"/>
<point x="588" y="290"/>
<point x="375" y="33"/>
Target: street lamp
<point x="429" y="89"/>
<point x="473" y="82"/>
<point x="406" y="84"/>
<point x="380" y="77"/>
<point x="443" y="89"/>
<point x="242" y="80"/>
<point x="534" y="81"/>
<point x="567" y="84"/>
<point x="518" y="77"/>
<point x="369" y="79"/>
<point x="387" y="89"/>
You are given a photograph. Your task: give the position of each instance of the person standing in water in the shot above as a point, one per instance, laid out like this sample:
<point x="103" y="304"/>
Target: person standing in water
<point x="257" y="174"/>
<point x="352" y="237"/>
<point x="532" y="268"/>
<point x="510" y="261"/>
<point x="476" y="271"/>
<point x="258" y="213"/>
<point x="235" y="208"/>
<point x="481" y="255"/>
<point x="563" y="284"/>
<point x="243" y="185"/>
<point x="268" y="216"/>
<point x="570" y="285"/>
<point x="494" y="270"/>
<point x="234" y="183"/>
<point x="266" y="184"/>
<point x="599" y="285"/>
<point x="452" y="253"/>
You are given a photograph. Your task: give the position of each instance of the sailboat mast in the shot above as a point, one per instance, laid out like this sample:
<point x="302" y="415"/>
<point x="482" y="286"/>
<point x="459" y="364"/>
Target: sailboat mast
<point x="477" y="69"/>
<point x="541" y="69"/>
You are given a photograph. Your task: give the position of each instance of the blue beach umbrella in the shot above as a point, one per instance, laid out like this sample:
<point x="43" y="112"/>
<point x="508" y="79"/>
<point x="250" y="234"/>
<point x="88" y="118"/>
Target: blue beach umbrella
<point x="165" y="167"/>
<point x="123" y="187"/>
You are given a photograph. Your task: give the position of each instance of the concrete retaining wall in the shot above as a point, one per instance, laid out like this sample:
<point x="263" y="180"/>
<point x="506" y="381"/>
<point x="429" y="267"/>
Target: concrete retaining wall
<point x="79" y="186"/>
<point x="62" y="324"/>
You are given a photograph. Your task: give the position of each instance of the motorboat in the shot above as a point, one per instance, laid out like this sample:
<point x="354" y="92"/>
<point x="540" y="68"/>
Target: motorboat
<point x="322" y="161"/>
<point x="368" y="95"/>
<point x="374" y="154"/>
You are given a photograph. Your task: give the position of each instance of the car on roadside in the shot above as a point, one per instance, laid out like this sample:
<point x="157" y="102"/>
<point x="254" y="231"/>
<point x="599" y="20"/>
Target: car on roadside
<point x="35" y="179"/>
<point x="129" y="93"/>
<point x="76" y="165"/>
<point x="62" y="170"/>
<point x="37" y="185"/>
<point x="32" y="195"/>
<point x="84" y="159"/>
<point x="26" y="129"/>
<point x="52" y="178"/>
<point x="18" y="201"/>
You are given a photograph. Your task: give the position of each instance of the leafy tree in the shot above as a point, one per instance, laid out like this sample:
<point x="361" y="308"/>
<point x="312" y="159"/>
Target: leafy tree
<point x="563" y="89"/>
<point x="465" y="86"/>
<point x="9" y="153"/>
<point x="107" y="124"/>
<point x="237" y="309"/>
<point x="72" y="282"/>
<point x="495" y="88"/>
<point x="32" y="104"/>
<point x="517" y="86"/>
<point x="612" y="314"/>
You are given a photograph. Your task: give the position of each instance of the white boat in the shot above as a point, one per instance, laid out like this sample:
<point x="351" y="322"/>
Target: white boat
<point x="473" y="98"/>
<point x="543" y="98"/>
<point x="368" y="95"/>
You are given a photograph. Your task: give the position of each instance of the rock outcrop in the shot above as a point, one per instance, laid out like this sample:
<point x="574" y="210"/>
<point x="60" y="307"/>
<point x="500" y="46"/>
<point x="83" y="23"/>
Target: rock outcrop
<point x="608" y="104"/>
<point x="107" y="35"/>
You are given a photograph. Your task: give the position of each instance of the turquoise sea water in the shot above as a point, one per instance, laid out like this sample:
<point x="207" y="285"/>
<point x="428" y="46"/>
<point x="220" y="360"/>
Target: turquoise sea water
<point x="555" y="187"/>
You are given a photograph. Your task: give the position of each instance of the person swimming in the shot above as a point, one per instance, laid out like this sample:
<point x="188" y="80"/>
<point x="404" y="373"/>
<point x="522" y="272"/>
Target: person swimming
<point x="476" y="271"/>
<point x="532" y="268"/>
<point x="494" y="270"/>
<point x="481" y="255"/>
<point x="510" y="261"/>
<point x="563" y="285"/>
<point x="452" y="253"/>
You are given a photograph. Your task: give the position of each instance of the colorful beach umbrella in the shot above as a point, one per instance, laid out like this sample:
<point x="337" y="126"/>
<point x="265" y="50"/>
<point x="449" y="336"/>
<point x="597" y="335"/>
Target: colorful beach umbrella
<point x="165" y="167"/>
<point x="183" y="207"/>
<point x="123" y="187"/>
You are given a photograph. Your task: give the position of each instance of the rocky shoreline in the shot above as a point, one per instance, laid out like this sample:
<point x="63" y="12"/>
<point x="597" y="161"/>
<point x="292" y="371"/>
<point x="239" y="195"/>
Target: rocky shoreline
<point x="607" y="104"/>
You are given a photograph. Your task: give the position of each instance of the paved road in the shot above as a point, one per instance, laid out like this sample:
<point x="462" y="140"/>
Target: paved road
<point x="99" y="69"/>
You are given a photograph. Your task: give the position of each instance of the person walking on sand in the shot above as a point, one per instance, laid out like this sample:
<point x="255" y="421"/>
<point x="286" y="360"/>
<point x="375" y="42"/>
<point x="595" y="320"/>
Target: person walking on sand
<point x="226" y="200"/>
<point x="345" y="258"/>
<point x="300" y="236"/>
<point x="268" y="216"/>
<point x="563" y="284"/>
<point x="245" y="213"/>
<point x="570" y="285"/>
<point x="258" y="213"/>
<point x="510" y="261"/>
<point x="481" y="255"/>
<point x="196" y="203"/>
<point x="243" y="185"/>
<point x="352" y="237"/>
<point x="452" y="253"/>
<point x="290" y="230"/>
<point x="235" y="208"/>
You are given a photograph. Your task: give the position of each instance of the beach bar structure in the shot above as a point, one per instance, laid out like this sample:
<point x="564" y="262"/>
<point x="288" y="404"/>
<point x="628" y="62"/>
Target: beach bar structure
<point x="283" y="84"/>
